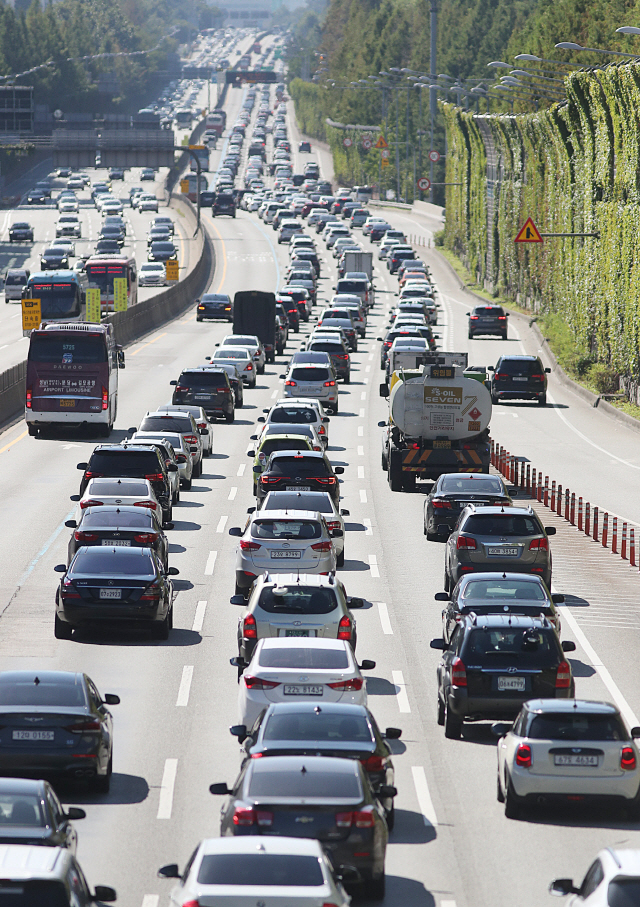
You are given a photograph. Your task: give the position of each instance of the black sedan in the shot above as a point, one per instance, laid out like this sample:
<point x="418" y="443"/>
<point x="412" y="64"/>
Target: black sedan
<point x="30" y="813"/>
<point x="114" y="586"/>
<point x="118" y="527"/>
<point x="342" y="730"/>
<point x="107" y="247"/>
<point x="162" y="251"/>
<point x="451" y="494"/>
<point x="113" y="232"/>
<point x="328" y="799"/>
<point x="305" y="470"/>
<point x="214" y="305"/>
<point x="55" y="723"/>
<point x="498" y="593"/>
<point x="54" y="259"/>
<point x="37" y="197"/>
<point x="21" y="232"/>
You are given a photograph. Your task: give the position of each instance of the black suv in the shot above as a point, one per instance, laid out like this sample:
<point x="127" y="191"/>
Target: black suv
<point x="494" y="663"/>
<point x="131" y="461"/>
<point x="488" y="319"/>
<point x="307" y="470"/>
<point x="519" y="378"/>
<point x="208" y="388"/>
<point x="224" y="203"/>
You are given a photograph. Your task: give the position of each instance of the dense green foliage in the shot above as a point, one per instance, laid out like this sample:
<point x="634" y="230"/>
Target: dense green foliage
<point x="574" y="168"/>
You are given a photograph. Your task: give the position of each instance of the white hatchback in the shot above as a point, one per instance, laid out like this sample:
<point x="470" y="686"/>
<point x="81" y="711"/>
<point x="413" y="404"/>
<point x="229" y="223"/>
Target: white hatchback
<point x="310" y="380"/>
<point x="126" y="491"/>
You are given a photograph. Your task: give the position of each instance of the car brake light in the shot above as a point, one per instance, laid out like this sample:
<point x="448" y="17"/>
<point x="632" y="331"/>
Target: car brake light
<point x="329" y="480"/>
<point x="541" y="544"/>
<point x="458" y="673"/>
<point x="441" y="504"/>
<point x="373" y="763"/>
<point x="181" y="387"/>
<point x="387" y="342"/>
<point x="248" y="546"/>
<point x="347" y="686"/>
<point x="322" y="546"/>
<point x="257" y="683"/>
<point x="191" y="904"/>
<point x="463" y="541"/>
<point x="342" y="355"/>
<point x="244" y="815"/>
<point x="502" y="317"/>
<point x="249" y="628"/>
<point x="628" y="759"/>
<point x="343" y="820"/>
<point x="202" y="424"/>
<point x="563" y="676"/>
<point x="249" y="367"/>
<point x="523" y="756"/>
<point x="329" y="383"/>
<point x="150" y="504"/>
<point x="83" y="727"/>
<point x="270" y="480"/>
<point x="364" y="818"/>
<point x="344" y="628"/>
<point x="333" y="525"/>
<point x="29" y="398"/>
<point x="151" y="593"/>
<point x="191" y="439"/>
<point x="154" y="477"/>
<point x="145" y="538"/>
<point x="90" y="503"/>
<point x="290" y="384"/>
<point x="85" y="536"/>
<point x="105" y="398"/>
<point x="473" y="318"/>
<point x="500" y="376"/>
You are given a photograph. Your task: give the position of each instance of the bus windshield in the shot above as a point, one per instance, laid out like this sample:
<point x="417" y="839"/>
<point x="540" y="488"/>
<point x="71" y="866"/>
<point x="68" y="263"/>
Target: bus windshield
<point x="102" y="275"/>
<point x="58" y="298"/>
<point x="67" y="348"/>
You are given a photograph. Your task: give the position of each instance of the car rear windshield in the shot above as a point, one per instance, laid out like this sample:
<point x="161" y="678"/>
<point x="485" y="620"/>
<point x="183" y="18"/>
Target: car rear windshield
<point x="299" y="465"/>
<point x="269" y="446"/>
<point x="33" y="893"/>
<point x="304" y="784"/>
<point x="325" y="346"/>
<point x="286" y="529"/>
<point x="259" y="869"/>
<point x="520" y="367"/>
<point x="166" y="423"/>
<point x="97" y="518"/>
<point x="124" y="462"/>
<point x="503" y="591"/>
<point x="502" y="524"/>
<point x="232" y="354"/>
<point x="335" y="727"/>
<point x="298" y="415"/>
<point x="203" y="379"/>
<point x="21" y="809"/>
<point x="240" y="340"/>
<point x="297" y="599"/>
<point x="351" y="286"/>
<point x="112" y="562"/>
<point x="488" y="311"/>
<point x="315" y="658"/>
<point x="15" y="280"/>
<point x="299" y="500"/>
<point x="118" y="489"/>
<point x="310" y="374"/>
<point x="486" y="485"/>
<point x="44" y="693"/>
<point x="528" y="646"/>
<point x="576" y="725"/>
<point x="68" y="350"/>
<point x="623" y="893"/>
<point x="215" y="297"/>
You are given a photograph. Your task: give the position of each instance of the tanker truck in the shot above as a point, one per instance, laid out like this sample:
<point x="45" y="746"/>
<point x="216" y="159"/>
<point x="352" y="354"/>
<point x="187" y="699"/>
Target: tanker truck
<point x="438" y="422"/>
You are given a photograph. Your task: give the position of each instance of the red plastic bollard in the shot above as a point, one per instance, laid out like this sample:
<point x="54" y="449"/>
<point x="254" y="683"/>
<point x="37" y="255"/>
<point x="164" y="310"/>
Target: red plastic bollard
<point x="632" y="547"/>
<point x="558" y="509"/>
<point x="534" y="491"/>
<point x="553" y="495"/>
<point x="572" y="511"/>
<point x="614" y="536"/>
<point x="587" y="519"/>
<point x="623" y="551"/>
<point x="595" y="524"/>
<point x="605" y="530"/>
<point x="580" y="525"/>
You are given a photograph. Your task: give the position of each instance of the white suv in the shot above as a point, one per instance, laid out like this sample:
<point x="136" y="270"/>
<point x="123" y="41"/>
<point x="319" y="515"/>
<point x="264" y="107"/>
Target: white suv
<point x="68" y="225"/>
<point x="612" y="878"/>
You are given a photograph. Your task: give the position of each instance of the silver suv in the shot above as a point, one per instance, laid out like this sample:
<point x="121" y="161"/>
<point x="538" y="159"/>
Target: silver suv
<point x="33" y="874"/>
<point x="498" y="539"/>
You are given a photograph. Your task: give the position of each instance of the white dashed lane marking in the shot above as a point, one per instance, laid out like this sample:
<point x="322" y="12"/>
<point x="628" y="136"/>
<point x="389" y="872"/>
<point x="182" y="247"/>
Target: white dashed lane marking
<point x="241" y="469"/>
<point x="360" y="431"/>
<point x="360" y="451"/>
<point x="232" y="494"/>
<point x="198" y="619"/>
<point x="369" y="527"/>
<point x="165" y="804"/>
<point x="383" y="612"/>
<point x="373" y="566"/>
<point x="211" y="562"/>
<point x="363" y="496"/>
<point x="426" y="804"/>
<point x="401" y="691"/>
<point x="222" y="522"/>
<point x="361" y="472"/>
<point x="185" y="686"/>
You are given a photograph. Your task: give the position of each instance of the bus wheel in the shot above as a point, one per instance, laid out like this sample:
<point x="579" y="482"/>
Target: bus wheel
<point x="105" y="430"/>
<point x="33" y="431"/>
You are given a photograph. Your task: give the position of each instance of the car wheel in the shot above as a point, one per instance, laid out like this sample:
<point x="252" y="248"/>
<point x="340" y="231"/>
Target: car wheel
<point x="62" y="630"/>
<point x="197" y="472"/>
<point x="161" y="628"/>
<point x="198" y="319"/>
<point x="229" y="417"/>
<point x="102" y="783"/>
<point x="340" y="559"/>
<point x="499" y="791"/>
<point x="542" y="401"/>
<point x="347" y="379"/>
<point x="452" y="724"/>
<point x="375" y="888"/>
<point x="440" y="712"/>
<point x="470" y="336"/>
<point x="187" y="483"/>
<point x="335" y="408"/>
<point x="511" y="805"/>
<point x="504" y="336"/>
<point x="383" y="462"/>
<point x="390" y="816"/>
<point x="494" y="399"/>
<point x="33" y="431"/>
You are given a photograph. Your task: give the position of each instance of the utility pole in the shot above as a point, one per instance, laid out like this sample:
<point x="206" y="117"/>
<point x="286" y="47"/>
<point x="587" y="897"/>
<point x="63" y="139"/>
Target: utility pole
<point x="433" y="91"/>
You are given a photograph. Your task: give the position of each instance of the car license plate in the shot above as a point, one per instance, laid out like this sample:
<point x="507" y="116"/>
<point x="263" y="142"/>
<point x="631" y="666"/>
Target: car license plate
<point x="511" y="683"/>
<point x="296" y="632"/>
<point x="308" y="390"/>
<point x="33" y="735"/>
<point x="502" y="551"/>
<point x="516" y="378"/>
<point x="115" y="543"/>
<point x="570" y="759"/>
<point x="286" y="555"/>
<point x="202" y="396"/>
<point x="441" y="445"/>
<point x="111" y="593"/>
<point x="306" y="690"/>
<point x="68" y="403"/>
<point x="298" y="488"/>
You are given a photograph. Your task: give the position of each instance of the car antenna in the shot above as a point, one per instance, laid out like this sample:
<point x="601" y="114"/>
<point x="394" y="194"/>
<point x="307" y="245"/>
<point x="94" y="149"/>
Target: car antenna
<point x="37" y="681"/>
<point x="303" y="770"/>
<point x="317" y="709"/>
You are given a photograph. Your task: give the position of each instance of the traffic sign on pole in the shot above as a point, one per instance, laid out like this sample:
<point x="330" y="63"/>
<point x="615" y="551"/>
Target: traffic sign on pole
<point x="424" y="184"/>
<point x="381" y="143"/>
<point x="31" y="314"/>
<point x="384" y="154"/>
<point x="529" y="233"/>
<point x="366" y="144"/>
<point x="384" y="162"/>
<point x="347" y="142"/>
<point x="434" y="156"/>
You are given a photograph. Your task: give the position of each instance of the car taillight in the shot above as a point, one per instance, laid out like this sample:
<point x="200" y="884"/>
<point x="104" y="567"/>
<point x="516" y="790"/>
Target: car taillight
<point x="191" y="439"/>
<point x="322" y="546"/>
<point x="343" y="820"/>
<point x="249" y="627"/>
<point x="463" y="541"/>
<point x="563" y="676"/>
<point x="191" y="904"/>
<point x="344" y="628"/>
<point x="83" y="727"/>
<point x="387" y="343"/>
<point x="154" y="477"/>
<point x="329" y="383"/>
<point x="347" y="686"/>
<point x="364" y="818"/>
<point x="523" y="756"/>
<point x="321" y="430"/>
<point x="373" y="763"/>
<point x="150" y="504"/>
<point x="249" y="367"/>
<point x="441" y="504"/>
<point x="290" y="384"/>
<point x="333" y="525"/>
<point x="458" y="673"/>
<point x="29" y="398"/>
<point x="328" y="480"/>
<point x="181" y="387"/>
<point x="256" y="683"/>
<point x="151" y="593"/>
<point x="202" y="424"/>
<point x="200" y="309"/>
<point x="473" y="318"/>
<point x="500" y="376"/>
<point x="628" y="759"/>
<point x="541" y="544"/>
<point x="342" y="355"/>
<point x="90" y="503"/>
<point x="248" y="546"/>
<point x="271" y="480"/>
<point x="538" y="377"/>
<point x="105" y="398"/>
<point x="85" y="536"/>
<point x="145" y="538"/>
<point x="502" y="317"/>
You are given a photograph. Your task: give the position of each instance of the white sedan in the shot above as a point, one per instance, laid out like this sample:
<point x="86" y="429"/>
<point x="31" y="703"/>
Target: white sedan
<point x="291" y="670"/>
<point x="125" y="491"/>
<point x="241" y="358"/>
<point x="152" y="274"/>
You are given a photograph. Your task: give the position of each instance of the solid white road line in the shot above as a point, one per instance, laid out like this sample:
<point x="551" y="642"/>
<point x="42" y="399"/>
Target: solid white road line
<point x="401" y="691"/>
<point x="383" y="611"/>
<point x="424" y="800"/>
<point x="165" y="803"/>
<point x="151" y="900"/>
<point x="373" y="566"/>
<point x="369" y="529"/>
<point x="363" y="496"/>
<point x="222" y="522"/>
<point x="211" y="562"/>
<point x="185" y="686"/>
<point x="232" y="494"/>
<point x="360" y="430"/>
<point x="361" y="472"/>
<point x="241" y="469"/>
<point x="361" y="451"/>
<point x="198" y="620"/>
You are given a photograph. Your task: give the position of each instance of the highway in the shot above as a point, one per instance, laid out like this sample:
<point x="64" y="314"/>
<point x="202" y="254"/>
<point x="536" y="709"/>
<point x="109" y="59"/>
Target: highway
<point x="452" y="845"/>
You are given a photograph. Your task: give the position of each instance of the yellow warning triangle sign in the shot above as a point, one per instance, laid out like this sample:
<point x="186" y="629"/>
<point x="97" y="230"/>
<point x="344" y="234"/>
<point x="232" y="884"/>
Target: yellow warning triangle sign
<point x="381" y="143"/>
<point x="529" y="233"/>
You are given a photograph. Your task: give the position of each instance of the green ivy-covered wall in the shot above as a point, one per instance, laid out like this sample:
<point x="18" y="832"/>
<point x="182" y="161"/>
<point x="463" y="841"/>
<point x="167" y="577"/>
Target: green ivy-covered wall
<point x="573" y="168"/>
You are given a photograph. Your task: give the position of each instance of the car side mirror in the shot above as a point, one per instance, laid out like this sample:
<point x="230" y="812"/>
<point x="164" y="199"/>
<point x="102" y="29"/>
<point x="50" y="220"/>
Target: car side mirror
<point x="282" y="376"/>
<point x="380" y="339"/>
<point x="169" y="872"/>
<point x="384" y="390"/>
<point x="261" y="419"/>
<point x="339" y="470"/>
<point x="237" y="662"/>
<point x="74" y="812"/>
<point x="345" y="513"/>
<point x="568" y="645"/>
<point x="174" y="383"/>
<point x="387" y="790"/>
<point x="71" y="524"/>
<point x="550" y="530"/>
<point x="216" y="344"/>
<point x="382" y="424"/>
<point x="251" y="453"/>
<point x="237" y="600"/>
<point x="367" y="665"/>
<point x="111" y="699"/>
<point x="491" y="368"/>
<point x="204" y="431"/>
<point x="441" y="597"/>
<point x="336" y="534"/>
<point x="353" y="602"/>
<point x="392" y="733"/>
<point x="173" y="571"/>
<point x="438" y="644"/>
<point x="499" y="729"/>
<point x="251" y="509"/>
<point x="557" y="598"/>
<point x="235" y="530"/>
<point x="208" y="358"/>
<point x="169" y="525"/>
<point x="104" y="893"/>
<point x="74" y="497"/>
<point x="173" y="467"/>
<point x="239" y="731"/>
<point x="83" y="466"/>
<point x="60" y="568"/>
<point x="635" y="732"/>
<point x="562" y="887"/>
<point x="253" y="437"/>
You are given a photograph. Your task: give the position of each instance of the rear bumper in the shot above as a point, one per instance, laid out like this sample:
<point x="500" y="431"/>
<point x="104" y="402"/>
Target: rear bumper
<point x="96" y="613"/>
<point x="623" y="787"/>
<point x="503" y="567"/>
<point x="72" y="417"/>
<point x="528" y="393"/>
<point x="37" y="765"/>
<point x="491" y="708"/>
